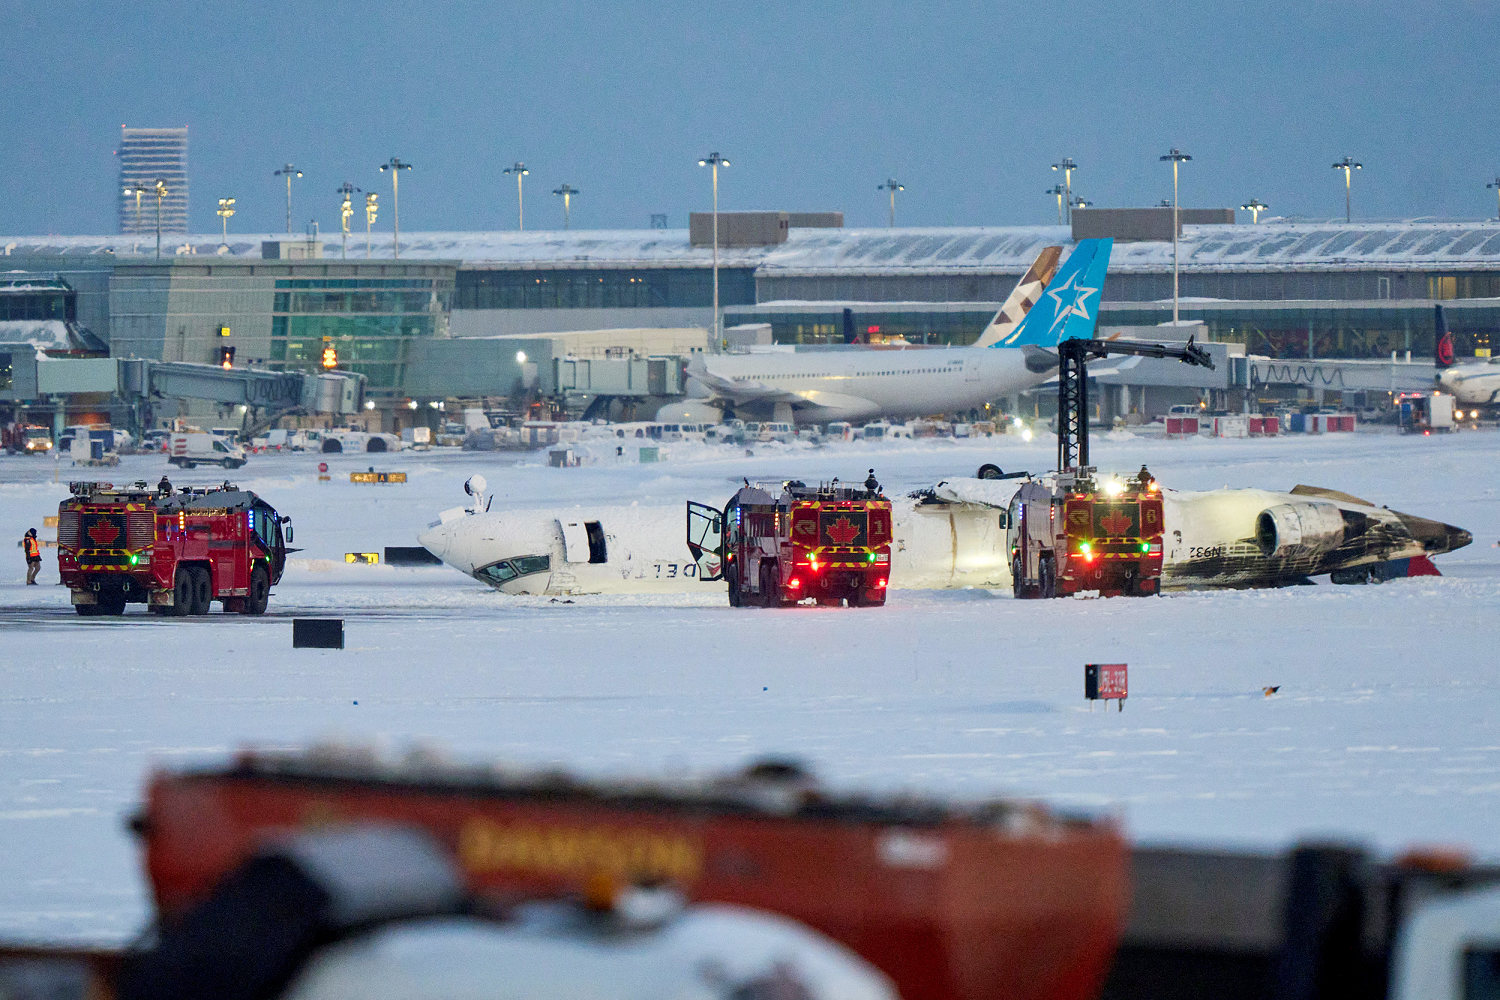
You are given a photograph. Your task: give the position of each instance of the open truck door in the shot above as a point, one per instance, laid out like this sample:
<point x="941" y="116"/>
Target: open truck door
<point x="705" y="539"/>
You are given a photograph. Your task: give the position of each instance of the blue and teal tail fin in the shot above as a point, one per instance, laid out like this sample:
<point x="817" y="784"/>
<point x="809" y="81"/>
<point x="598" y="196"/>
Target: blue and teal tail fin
<point x="1069" y="308"/>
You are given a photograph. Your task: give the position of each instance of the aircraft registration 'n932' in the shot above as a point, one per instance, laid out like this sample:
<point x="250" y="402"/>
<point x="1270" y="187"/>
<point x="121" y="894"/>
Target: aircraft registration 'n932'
<point x="862" y="383"/>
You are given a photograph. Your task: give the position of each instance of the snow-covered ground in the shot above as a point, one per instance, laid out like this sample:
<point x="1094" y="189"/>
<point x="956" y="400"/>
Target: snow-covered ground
<point x="1385" y="731"/>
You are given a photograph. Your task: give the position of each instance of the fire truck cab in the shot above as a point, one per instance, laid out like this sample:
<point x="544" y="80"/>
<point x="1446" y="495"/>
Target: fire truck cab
<point x="1068" y="532"/>
<point x="175" y="552"/>
<point x="830" y="543"/>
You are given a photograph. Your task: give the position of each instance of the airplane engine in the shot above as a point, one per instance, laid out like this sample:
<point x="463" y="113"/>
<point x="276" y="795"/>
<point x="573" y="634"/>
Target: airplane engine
<point x="1299" y="529"/>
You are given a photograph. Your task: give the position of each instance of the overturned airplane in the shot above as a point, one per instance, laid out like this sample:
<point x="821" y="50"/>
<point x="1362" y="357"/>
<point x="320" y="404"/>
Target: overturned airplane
<point x="954" y="536"/>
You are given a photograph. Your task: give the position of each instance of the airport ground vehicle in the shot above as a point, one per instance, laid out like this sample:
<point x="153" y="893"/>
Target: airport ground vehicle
<point x="26" y="439"/>
<point x="174" y="553"/>
<point x="194" y="448"/>
<point x="1425" y="413"/>
<point x="830" y="542"/>
<point x="1068" y="533"/>
<point x="951" y="900"/>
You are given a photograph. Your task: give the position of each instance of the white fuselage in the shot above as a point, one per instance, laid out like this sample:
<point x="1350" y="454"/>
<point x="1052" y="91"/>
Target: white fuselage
<point x="1210" y="541"/>
<point x="645" y="552"/>
<point x="1474" y="384"/>
<point x="864" y="383"/>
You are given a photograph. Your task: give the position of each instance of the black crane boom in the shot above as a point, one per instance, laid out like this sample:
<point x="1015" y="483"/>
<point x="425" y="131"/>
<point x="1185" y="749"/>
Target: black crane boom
<point x="1073" y="386"/>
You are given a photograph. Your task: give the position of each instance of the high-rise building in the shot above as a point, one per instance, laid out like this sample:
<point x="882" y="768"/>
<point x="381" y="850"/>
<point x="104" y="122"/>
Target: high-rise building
<point x="146" y="156"/>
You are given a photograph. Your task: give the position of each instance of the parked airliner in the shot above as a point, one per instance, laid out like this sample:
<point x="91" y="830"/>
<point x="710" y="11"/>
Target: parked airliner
<point x="860" y="383"/>
<point x="1474" y="383"/>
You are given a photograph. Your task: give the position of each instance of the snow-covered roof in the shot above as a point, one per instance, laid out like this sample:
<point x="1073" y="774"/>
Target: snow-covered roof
<point x="1276" y="244"/>
<point x="49" y="335"/>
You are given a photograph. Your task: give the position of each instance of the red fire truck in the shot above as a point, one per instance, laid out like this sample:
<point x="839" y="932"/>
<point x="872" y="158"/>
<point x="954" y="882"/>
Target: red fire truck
<point x="175" y="552"/>
<point x="831" y="543"/>
<point x="1068" y="532"/>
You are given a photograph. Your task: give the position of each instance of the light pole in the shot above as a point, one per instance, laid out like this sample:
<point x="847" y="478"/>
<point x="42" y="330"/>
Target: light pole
<point x="1348" y="166"/>
<point x="567" y="194"/>
<point x="371" y="209"/>
<point x="519" y="169"/>
<point x="161" y="192"/>
<point x="892" y="186"/>
<point x="288" y="172"/>
<point x="1058" y="190"/>
<point x="346" y="211"/>
<point x="715" y="161"/>
<point x="226" y="209"/>
<point x="1067" y="166"/>
<point x="1078" y="203"/>
<point x="1254" y="207"/>
<point x="1177" y="157"/>
<point x="137" y="190"/>
<point x="395" y="166"/>
<point x="1496" y="186"/>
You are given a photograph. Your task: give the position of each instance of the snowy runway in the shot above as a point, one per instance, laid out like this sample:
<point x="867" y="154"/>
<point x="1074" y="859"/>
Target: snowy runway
<point x="1386" y="728"/>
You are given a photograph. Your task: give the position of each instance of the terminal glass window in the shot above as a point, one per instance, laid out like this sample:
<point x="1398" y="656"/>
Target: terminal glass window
<point x="601" y="288"/>
<point x="368" y="321"/>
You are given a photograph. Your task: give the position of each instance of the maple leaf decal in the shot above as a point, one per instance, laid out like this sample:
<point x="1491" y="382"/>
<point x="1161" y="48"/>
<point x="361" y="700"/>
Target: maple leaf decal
<point x="843" y="531"/>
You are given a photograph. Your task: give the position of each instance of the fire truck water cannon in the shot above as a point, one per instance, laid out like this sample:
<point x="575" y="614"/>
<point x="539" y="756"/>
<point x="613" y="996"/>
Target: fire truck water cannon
<point x="780" y="544"/>
<point x="1071" y="532"/>
<point x="175" y="551"/>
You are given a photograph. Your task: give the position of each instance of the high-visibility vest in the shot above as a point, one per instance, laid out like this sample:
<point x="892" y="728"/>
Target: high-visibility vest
<point x="33" y="551"/>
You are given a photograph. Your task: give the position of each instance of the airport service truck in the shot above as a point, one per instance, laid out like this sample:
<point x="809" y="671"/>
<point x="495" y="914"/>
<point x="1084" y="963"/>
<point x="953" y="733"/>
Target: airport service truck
<point x="175" y="552"/>
<point x="1068" y="533"/>
<point x="830" y="543"/>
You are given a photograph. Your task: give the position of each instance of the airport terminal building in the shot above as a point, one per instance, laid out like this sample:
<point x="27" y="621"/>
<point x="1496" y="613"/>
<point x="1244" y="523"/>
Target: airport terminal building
<point x="460" y="308"/>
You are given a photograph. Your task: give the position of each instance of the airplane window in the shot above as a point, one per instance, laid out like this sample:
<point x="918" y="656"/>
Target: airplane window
<point x="495" y="574"/>
<point x="532" y="564"/>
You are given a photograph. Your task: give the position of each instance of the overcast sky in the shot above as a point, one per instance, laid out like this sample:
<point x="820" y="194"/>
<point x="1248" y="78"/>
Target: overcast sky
<point x="815" y="105"/>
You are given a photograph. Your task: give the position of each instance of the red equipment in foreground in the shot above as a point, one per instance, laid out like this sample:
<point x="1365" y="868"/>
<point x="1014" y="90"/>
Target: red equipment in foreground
<point x="174" y="552"/>
<point x="830" y="542"/>
<point x="953" y="902"/>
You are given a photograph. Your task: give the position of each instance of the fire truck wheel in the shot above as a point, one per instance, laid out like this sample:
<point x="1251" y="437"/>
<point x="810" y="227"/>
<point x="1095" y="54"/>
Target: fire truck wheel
<point x="1018" y="588"/>
<point x="1147" y="588"/>
<point x="770" y="589"/>
<point x="1048" y="578"/>
<point x="86" y="610"/>
<point x="111" y="603"/>
<point x="203" y="591"/>
<point x="734" y="589"/>
<point x="260" y="592"/>
<point x="182" y="593"/>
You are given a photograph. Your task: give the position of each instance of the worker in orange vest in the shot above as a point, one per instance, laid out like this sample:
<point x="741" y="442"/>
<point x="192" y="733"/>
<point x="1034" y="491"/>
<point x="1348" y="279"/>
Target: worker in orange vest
<point x="33" y="555"/>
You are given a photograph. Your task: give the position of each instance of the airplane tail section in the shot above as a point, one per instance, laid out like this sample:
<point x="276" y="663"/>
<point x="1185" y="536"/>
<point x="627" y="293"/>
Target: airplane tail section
<point x="1069" y="307"/>
<point x="1442" y="356"/>
<point x="1025" y="295"/>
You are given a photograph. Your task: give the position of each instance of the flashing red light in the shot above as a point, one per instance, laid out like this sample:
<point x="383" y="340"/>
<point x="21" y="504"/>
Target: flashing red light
<point x="880" y="584"/>
<point x="794" y="583"/>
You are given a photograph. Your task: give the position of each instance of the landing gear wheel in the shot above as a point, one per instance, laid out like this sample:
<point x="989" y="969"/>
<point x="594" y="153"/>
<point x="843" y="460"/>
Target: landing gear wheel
<point x="1048" y="575"/>
<point x="182" y="593"/>
<point x="203" y="589"/>
<point x="989" y="470"/>
<point x="260" y="592"/>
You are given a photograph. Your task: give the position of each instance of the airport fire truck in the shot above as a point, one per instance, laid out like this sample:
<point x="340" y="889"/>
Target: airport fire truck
<point x="831" y="543"/>
<point x="1069" y="531"/>
<point x="174" y="551"/>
